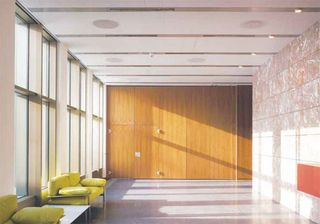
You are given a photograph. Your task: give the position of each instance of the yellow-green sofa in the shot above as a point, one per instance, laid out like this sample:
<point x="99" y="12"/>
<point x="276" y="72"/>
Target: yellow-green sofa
<point x="68" y="189"/>
<point x="9" y="213"/>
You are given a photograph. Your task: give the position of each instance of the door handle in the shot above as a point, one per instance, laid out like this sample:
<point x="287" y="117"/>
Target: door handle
<point x="109" y="131"/>
<point x="158" y="173"/>
<point x="159" y="131"/>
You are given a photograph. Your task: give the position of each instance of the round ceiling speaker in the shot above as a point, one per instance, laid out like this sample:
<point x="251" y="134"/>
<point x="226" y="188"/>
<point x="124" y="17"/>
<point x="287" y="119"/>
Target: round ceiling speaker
<point x="253" y="24"/>
<point x="114" y="60"/>
<point x="105" y="24"/>
<point x="197" y="60"/>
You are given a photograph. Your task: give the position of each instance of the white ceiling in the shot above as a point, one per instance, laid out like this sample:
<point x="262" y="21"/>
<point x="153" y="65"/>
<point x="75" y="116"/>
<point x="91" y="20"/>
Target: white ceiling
<point x="167" y="44"/>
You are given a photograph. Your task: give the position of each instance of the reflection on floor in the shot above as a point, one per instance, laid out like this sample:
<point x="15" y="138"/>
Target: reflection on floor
<point x="196" y="202"/>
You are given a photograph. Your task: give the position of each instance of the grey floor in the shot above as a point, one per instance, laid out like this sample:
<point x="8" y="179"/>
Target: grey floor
<point x="196" y="202"/>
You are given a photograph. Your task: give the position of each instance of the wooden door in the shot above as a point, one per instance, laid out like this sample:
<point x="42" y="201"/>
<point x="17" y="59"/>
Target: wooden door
<point x="120" y="152"/>
<point x="172" y="148"/>
<point x="120" y="134"/>
<point x="244" y="130"/>
<point x="120" y="105"/>
<point x="146" y="119"/>
<point x="198" y="133"/>
<point x="223" y="132"/>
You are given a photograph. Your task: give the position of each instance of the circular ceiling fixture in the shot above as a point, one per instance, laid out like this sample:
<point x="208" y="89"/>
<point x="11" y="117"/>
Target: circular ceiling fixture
<point x="197" y="60"/>
<point x="253" y="24"/>
<point x="105" y="24"/>
<point x="114" y="60"/>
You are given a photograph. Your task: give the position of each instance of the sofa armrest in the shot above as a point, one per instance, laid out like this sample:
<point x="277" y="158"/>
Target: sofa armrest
<point x="93" y="182"/>
<point x="43" y="215"/>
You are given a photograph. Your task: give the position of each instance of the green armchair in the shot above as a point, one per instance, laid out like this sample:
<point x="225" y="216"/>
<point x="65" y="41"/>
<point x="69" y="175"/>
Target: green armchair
<point x="68" y="189"/>
<point x="9" y="213"/>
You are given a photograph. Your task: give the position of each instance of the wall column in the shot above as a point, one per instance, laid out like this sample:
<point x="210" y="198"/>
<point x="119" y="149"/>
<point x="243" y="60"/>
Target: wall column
<point x="62" y="159"/>
<point x="7" y="74"/>
<point x="89" y="124"/>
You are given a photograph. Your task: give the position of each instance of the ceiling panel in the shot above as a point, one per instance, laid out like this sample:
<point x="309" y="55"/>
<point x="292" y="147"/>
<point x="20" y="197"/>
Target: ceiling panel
<point x="178" y="22"/>
<point x="170" y="44"/>
<point x="171" y="3"/>
<point x="177" y="79"/>
<point x="173" y="71"/>
<point x="163" y="42"/>
<point x="173" y="59"/>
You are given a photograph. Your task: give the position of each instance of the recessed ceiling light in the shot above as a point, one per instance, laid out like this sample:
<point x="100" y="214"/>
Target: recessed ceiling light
<point x="105" y="24"/>
<point x="114" y="60"/>
<point x="253" y="54"/>
<point x="197" y="60"/>
<point x="253" y="24"/>
<point x="298" y="11"/>
<point x="240" y="66"/>
<point x="271" y="36"/>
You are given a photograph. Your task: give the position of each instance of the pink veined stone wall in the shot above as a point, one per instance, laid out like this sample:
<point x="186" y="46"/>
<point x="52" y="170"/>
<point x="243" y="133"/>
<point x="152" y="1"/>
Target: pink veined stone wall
<point x="286" y="122"/>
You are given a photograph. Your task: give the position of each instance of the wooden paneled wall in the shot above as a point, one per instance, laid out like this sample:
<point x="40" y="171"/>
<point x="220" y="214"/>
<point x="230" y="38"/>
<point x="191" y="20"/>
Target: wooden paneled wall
<point x="180" y="132"/>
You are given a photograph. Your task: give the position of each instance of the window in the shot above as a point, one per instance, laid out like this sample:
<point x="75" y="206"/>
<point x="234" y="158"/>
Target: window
<point x="21" y="145"/>
<point x="21" y="52"/>
<point x="45" y="145"/>
<point x="21" y="107"/>
<point x="97" y="125"/>
<point x="45" y="66"/>
<point x="48" y="109"/>
<point x="76" y="116"/>
<point x="83" y="90"/>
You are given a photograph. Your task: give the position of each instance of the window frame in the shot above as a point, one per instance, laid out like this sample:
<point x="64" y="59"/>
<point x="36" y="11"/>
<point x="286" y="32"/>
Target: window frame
<point x="23" y="92"/>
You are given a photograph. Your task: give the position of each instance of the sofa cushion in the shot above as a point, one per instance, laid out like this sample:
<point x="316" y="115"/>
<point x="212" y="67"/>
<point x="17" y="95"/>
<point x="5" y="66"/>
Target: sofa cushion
<point x="9" y="222"/>
<point x="93" y="182"/>
<point x="95" y="192"/>
<point x="42" y="215"/>
<point x="8" y="206"/>
<point x="74" y="178"/>
<point x="74" y="191"/>
<point x="56" y="183"/>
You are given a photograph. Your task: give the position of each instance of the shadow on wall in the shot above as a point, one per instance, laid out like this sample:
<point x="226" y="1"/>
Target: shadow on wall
<point x="209" y="117"/>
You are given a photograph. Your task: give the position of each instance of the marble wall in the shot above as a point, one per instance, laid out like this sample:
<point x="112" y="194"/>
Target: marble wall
<point x="286" y="122"/>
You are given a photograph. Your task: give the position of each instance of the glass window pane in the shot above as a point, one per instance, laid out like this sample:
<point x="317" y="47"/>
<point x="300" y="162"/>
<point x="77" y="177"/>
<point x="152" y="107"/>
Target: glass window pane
<point x="95" y="144"/>
<point x="101" y="100"/>
<point x="83" y="144"/>
<point x="101" y="143"/>
<point x="83" y="90"/>
<point x="68" y="139"/>
<point x="45" y="67"/>
<point x="95" y="97"/>
<point x="45" y="145"/>
<point x="74" y="142"/>
<point x="69" y="82"/>
<point x="21" y="53"/>
<point x="21" y="145"/>
<point x="75" y="84"/>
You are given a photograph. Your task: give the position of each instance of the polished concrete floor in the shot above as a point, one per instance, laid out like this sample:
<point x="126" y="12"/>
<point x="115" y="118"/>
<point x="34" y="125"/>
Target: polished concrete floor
<point x="184" y="202"/>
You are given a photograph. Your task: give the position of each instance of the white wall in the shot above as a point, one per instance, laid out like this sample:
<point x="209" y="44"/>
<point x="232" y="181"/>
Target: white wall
<point x="286" y="122"/>
<point x="7" y="74"/>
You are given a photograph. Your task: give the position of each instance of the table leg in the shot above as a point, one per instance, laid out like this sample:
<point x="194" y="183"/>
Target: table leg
<point x="90" y="214"/>
<point x="86" y="216"/>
